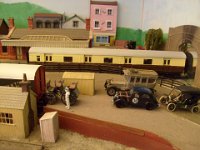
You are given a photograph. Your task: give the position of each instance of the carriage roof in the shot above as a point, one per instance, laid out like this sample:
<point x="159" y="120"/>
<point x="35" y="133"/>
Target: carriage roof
<point x="107" y="52"/>
<point x="16" y="71"/>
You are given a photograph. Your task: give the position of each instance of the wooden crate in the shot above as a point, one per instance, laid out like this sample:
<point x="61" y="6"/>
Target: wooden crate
<point x="49" y="127"/>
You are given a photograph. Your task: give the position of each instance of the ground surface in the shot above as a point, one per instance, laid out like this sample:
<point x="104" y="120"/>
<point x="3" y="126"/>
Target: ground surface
<point x="181" y="128"/>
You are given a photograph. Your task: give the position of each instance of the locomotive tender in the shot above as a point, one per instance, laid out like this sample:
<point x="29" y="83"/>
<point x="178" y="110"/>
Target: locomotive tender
<point x="161" y="61"/>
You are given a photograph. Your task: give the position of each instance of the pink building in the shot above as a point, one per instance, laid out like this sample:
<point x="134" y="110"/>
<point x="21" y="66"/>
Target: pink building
<point x="103" y="22"/>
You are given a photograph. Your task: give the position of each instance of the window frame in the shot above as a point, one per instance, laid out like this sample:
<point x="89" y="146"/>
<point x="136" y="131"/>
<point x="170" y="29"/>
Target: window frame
<point x="148" y="61"/>
<point x="68" y="59"/>
<point x="6" y="118"/>
<point x="109" y="14"/>
<point x="108" y="60"/>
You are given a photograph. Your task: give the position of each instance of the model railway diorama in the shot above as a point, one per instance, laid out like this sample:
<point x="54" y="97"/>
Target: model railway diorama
<point x="113" y="60"/>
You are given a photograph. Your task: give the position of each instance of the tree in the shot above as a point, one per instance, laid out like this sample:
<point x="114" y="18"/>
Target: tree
<point x="154" y="39"/>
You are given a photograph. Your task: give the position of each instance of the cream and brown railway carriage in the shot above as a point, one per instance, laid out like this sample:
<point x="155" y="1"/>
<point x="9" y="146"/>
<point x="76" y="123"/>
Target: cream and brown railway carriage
<point x="160" y="61"/>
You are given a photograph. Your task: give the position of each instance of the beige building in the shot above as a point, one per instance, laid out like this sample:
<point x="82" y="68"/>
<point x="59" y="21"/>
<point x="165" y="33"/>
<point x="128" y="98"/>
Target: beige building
<point x="18" y="112"/>
<point x="74" y="22"/>
<point x="86" y="81"/>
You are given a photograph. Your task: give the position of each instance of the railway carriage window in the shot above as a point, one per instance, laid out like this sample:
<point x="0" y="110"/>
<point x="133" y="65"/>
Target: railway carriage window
<point x="108" y="60"/>
<point x="88" y="59"/>
<point x="48" y="58"/>
<point x="38" y="58"/>
<point x="68" y="59"/>
<point x="127" y="60"/>
<point x="166" y="62"/>
<point x="147" y="61"/>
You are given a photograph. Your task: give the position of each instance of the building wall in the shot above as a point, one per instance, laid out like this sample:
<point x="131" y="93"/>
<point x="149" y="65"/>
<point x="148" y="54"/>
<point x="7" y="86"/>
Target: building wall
<point x="69" y="24"/>
<point x="19" y="127"/>
<point x="103" y="17"/>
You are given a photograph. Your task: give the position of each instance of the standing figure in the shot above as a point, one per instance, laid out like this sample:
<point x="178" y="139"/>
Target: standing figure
<point x="67" y="93"/>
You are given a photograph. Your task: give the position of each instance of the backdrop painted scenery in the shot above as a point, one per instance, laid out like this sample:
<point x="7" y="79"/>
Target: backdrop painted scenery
<point x="134" y="16"/>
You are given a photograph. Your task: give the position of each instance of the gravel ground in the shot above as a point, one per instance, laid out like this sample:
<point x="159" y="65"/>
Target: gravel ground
<point x="181" y="128"/>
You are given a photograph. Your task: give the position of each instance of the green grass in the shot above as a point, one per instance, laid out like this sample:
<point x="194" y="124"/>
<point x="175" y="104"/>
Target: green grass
<point x="20" y="12"/>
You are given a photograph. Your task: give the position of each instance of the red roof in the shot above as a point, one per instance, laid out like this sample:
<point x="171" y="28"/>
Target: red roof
<point x="47" y="15"/>
<point x="103" y="3"/>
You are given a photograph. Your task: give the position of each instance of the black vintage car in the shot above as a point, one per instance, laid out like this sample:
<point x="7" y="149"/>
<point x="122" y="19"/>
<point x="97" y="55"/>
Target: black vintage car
<point x="183" y="96"/>
<point x="136" y="97"/>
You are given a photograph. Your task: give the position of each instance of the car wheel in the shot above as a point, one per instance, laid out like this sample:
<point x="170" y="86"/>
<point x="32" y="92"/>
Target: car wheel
<point x="120" y="103"/>
<point x="111" y="91"/>
<point x="194" y="109"/>
<point x="171" y="106"/>
<point x="149" y="106"/>
<point x="163" y="99"/>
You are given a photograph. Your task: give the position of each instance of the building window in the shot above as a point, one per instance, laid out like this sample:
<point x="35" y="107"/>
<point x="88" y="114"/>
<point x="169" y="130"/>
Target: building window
<point x="127" y="60"/>
<point x="4" y="49"/>
<point x="48" y="58"/>
<point x="108" y="60"/>
<point x="6" y="118"/>
<point x="75" y="24"/>
<point x="109" y="25"/>
<point x="166" y="62"/>
<point x="38" y="58"/>
<point x="68" y="59"/>
<point x="97" y="11"/>
<point x="102" y="39"/>
<point x="39" y="24"/>
<point x="147" y="61"/>
<point x="109" y="11"/>
<point x="96" y="24"/>
<point x="88" y="59"/>
<point x="56" y="24"/>
<point x="47" y="24"/>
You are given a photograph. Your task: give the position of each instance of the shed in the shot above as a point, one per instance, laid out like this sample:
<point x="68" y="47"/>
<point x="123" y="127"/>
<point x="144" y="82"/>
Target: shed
<point x="16" y="117"/>
<point x="85" y="80"/>
<point x="13" y="73"/>
<point x="49" y="127"/>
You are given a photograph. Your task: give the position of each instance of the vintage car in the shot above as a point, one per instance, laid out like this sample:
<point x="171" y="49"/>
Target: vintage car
<point x="136" y="97"/>
<point x="133" y="77"/>
<point x="183" y="96"/>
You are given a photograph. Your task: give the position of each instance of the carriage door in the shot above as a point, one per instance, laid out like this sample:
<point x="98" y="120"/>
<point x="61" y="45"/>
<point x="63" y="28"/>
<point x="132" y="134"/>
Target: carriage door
<point x="19" y="53"/>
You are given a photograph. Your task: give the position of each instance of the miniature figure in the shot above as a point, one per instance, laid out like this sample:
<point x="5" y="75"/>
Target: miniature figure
<point x="67" y="101"/>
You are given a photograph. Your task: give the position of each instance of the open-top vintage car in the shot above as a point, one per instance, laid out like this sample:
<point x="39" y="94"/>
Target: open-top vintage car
<point x="183" y="96"/>
<point x="136" y="97"/>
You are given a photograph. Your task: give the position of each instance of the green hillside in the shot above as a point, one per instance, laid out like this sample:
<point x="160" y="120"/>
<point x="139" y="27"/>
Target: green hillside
<point x="20" y="12"/>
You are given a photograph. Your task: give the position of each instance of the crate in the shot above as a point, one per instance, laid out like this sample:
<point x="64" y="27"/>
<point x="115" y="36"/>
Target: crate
<point x="49" y="127"/>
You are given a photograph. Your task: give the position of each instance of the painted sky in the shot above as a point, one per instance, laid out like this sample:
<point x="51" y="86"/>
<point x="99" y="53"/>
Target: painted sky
<point x="143" y="14"/>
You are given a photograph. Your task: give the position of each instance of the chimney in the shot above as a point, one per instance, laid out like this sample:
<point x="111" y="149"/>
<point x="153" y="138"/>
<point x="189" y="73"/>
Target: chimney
<point x="24" y="84"/>
<point x="30" y="22"/>
<point x="87" y="24"/>
<point x="11" y="23"/>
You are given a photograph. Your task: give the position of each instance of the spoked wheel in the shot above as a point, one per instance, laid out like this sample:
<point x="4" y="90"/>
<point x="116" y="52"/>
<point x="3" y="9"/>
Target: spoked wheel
<point x="194" y="109"/>
<point x="111" y="91"/>
<point x="120" y="103"/>
<point x="164" y="99"/>
<point x="72" y="98"/>
<point x="63" y="99"/>
<point x="171" y="107"/>
<point x="149" y="106"/>
<point x="51" y="98"/>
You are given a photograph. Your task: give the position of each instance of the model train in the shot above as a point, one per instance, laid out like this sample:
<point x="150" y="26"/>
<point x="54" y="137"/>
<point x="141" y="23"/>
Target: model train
<point x="96" y="58"/>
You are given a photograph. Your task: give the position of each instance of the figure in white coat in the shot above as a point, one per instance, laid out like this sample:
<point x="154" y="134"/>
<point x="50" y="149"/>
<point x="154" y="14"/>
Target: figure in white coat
<point x="67" y="93"/>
